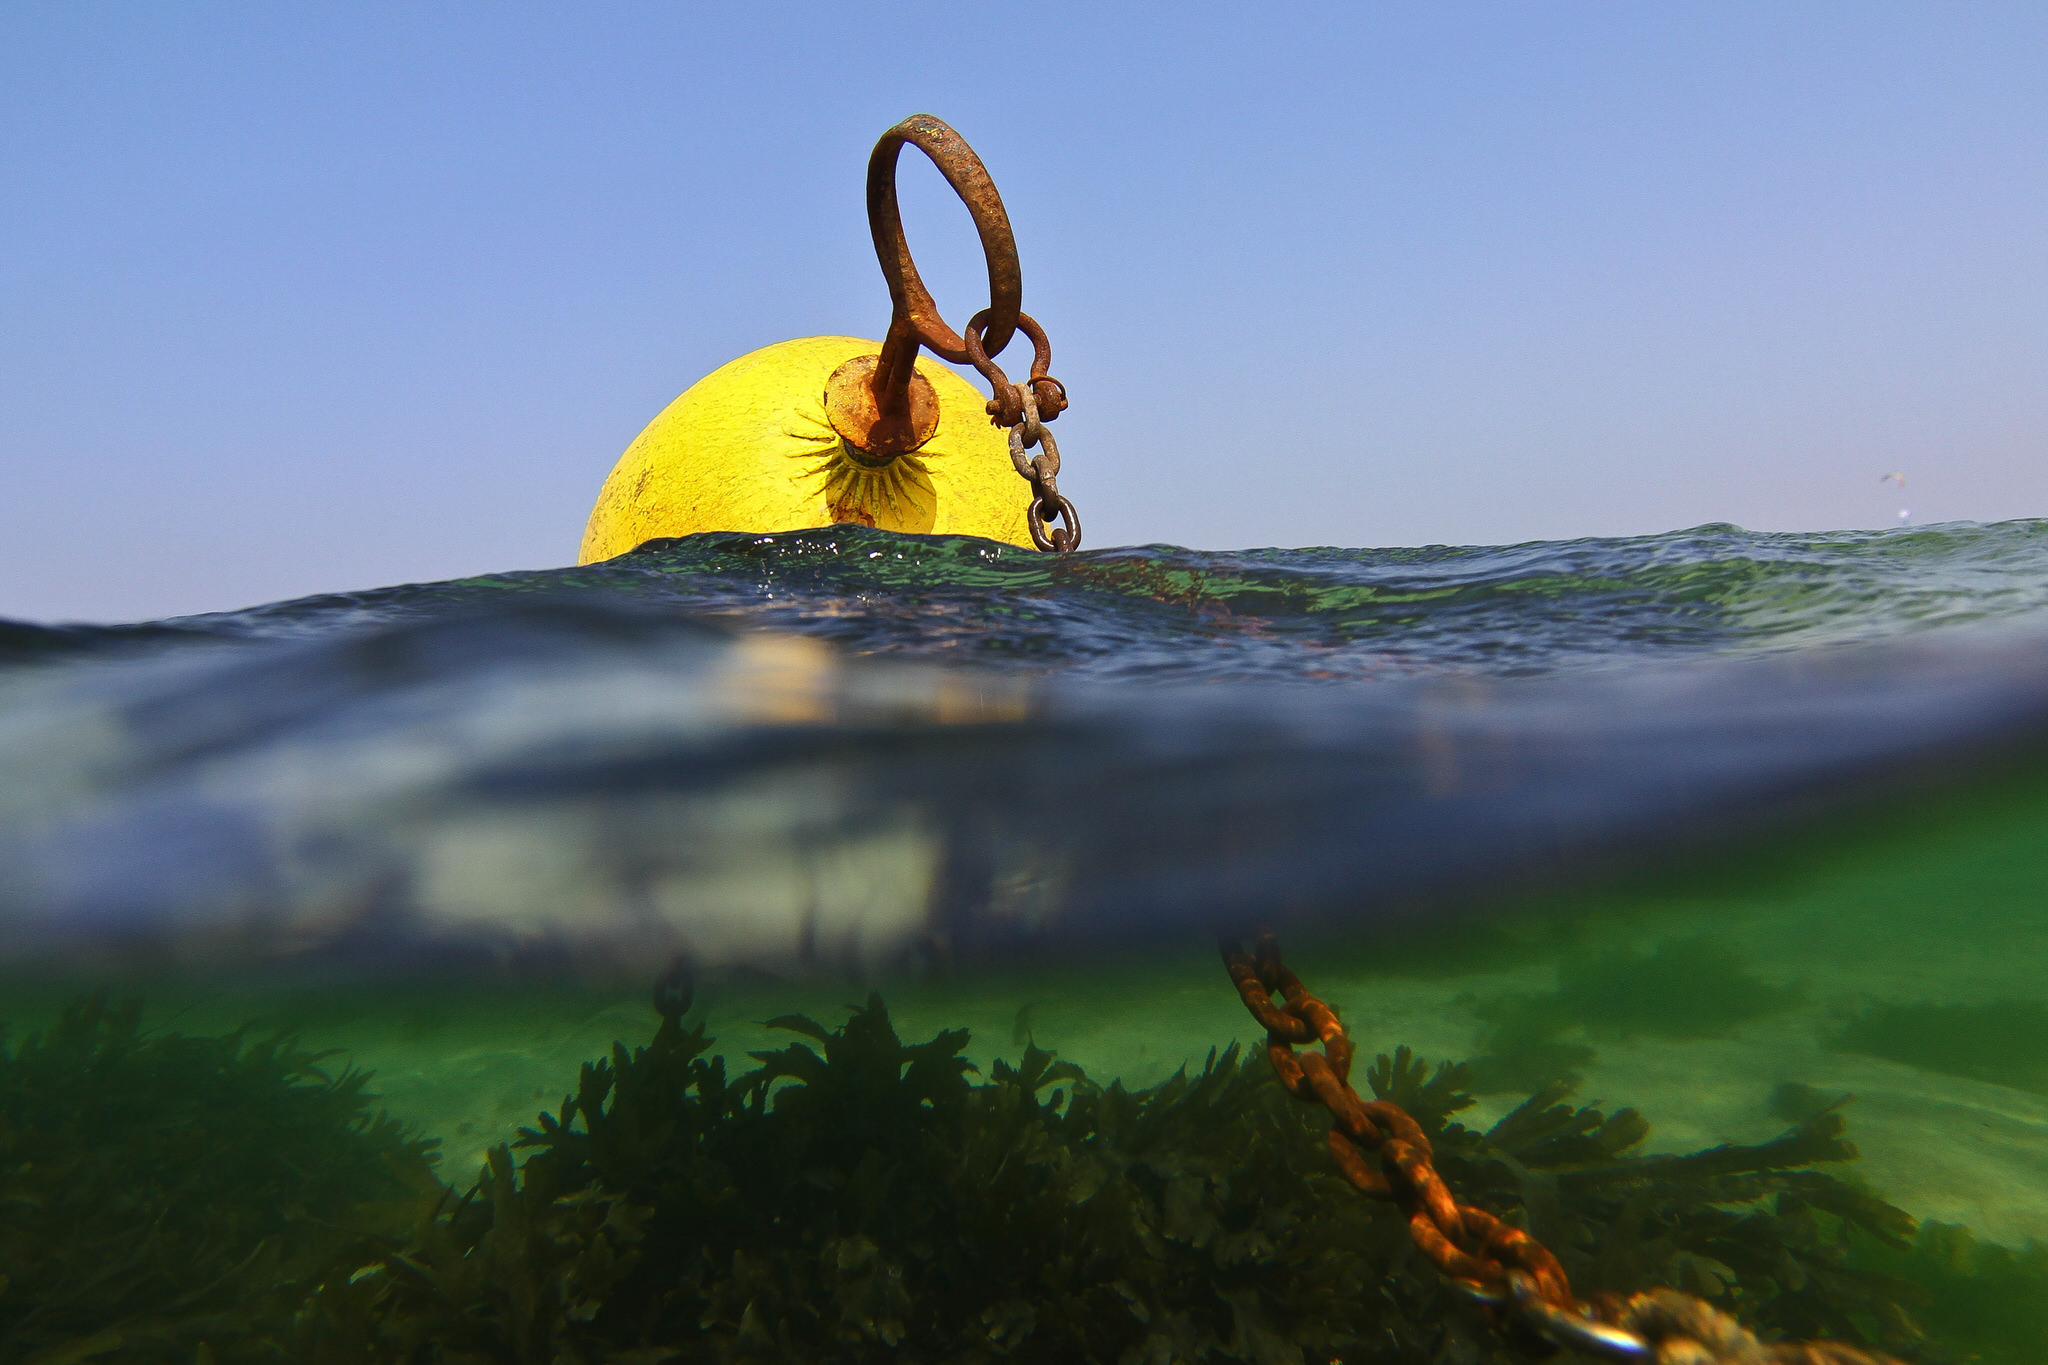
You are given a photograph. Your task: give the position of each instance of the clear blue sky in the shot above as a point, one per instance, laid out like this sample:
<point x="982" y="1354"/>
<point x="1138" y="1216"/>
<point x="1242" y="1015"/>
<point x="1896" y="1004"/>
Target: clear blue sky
<point x="298" y="298"/>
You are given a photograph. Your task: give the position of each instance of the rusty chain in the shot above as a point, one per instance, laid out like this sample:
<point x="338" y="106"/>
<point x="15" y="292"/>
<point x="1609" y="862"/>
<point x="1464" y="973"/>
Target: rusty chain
<point x="1025" y="410"/>
<point x="1497" y="1263"/>
<point x="1041" y="471"/>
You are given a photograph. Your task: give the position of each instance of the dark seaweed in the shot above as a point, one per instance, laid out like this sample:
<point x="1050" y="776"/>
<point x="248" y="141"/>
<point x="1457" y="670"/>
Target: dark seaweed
<point x="1796" y="1102"/>
<point x="2005" y="1042"/>
<point x="163" y="1195"/>
<point x="1984" y="1302"/>
<point x="856" y="1199"/>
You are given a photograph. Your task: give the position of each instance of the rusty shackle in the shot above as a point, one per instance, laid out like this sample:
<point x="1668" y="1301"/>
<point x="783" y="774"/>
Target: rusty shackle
<point x="879" y="404"/>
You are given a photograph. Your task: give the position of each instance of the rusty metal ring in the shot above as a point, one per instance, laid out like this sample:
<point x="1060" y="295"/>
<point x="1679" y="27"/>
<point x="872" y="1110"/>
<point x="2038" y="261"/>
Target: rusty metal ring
<point x="1060" y="540"/>
<point x="975" y="340"/>
<point x="970" y="180"/>
<point x="1018" y="445"/>
<point x="1007" y="407"/>
<point x="1574" y="1329"/>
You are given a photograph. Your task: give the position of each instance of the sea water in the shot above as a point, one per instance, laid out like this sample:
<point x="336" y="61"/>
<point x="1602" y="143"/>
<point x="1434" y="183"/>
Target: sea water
<point x="1728" y="827"/>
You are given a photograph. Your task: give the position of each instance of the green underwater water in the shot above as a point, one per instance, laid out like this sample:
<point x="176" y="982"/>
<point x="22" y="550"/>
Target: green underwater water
<point x="1876" y="978"/>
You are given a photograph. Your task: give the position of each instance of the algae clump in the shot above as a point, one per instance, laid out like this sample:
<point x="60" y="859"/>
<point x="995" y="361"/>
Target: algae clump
<point x="1983" y="1301"/>
<point x="856" y="1199"/>
<point x="165" y="1196"/>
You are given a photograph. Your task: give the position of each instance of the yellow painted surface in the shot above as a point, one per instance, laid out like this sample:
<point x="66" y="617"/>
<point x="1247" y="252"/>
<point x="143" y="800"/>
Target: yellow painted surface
<point x="749" y="448"/>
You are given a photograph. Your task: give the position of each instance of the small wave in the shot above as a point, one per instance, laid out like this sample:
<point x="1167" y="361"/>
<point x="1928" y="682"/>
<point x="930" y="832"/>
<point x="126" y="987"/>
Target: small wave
<point x="1169" y="614"/>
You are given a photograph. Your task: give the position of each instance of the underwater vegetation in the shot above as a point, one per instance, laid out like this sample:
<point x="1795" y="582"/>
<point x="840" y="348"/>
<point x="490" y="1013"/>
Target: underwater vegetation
<point x="864" y="1200"/>
<point x="159" y="1193"/>
<point x="1982" y="1301"/>
<point x="856" y="1198"/>
<point x="2005" y="1042"/>
<point x="1681" y="988"/>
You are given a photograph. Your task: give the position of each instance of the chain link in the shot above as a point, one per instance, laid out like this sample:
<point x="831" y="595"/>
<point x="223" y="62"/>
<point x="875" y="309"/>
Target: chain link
<point x="1498" y="1264"/>
<point x="1041" y="471"/>
<point x="1025" y="409"/>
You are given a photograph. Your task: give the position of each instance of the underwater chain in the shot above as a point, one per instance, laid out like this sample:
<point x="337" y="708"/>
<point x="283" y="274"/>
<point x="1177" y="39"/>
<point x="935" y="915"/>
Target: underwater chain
<point x="1500" y="1265"/>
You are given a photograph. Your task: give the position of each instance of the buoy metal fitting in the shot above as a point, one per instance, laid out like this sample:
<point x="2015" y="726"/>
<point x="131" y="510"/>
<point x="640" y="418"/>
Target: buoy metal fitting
<point x="835" y="429"/>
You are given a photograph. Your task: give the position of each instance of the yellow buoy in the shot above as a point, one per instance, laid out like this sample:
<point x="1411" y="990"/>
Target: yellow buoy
<point x="835" y="429"/>
<point x="751" y="447"/>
